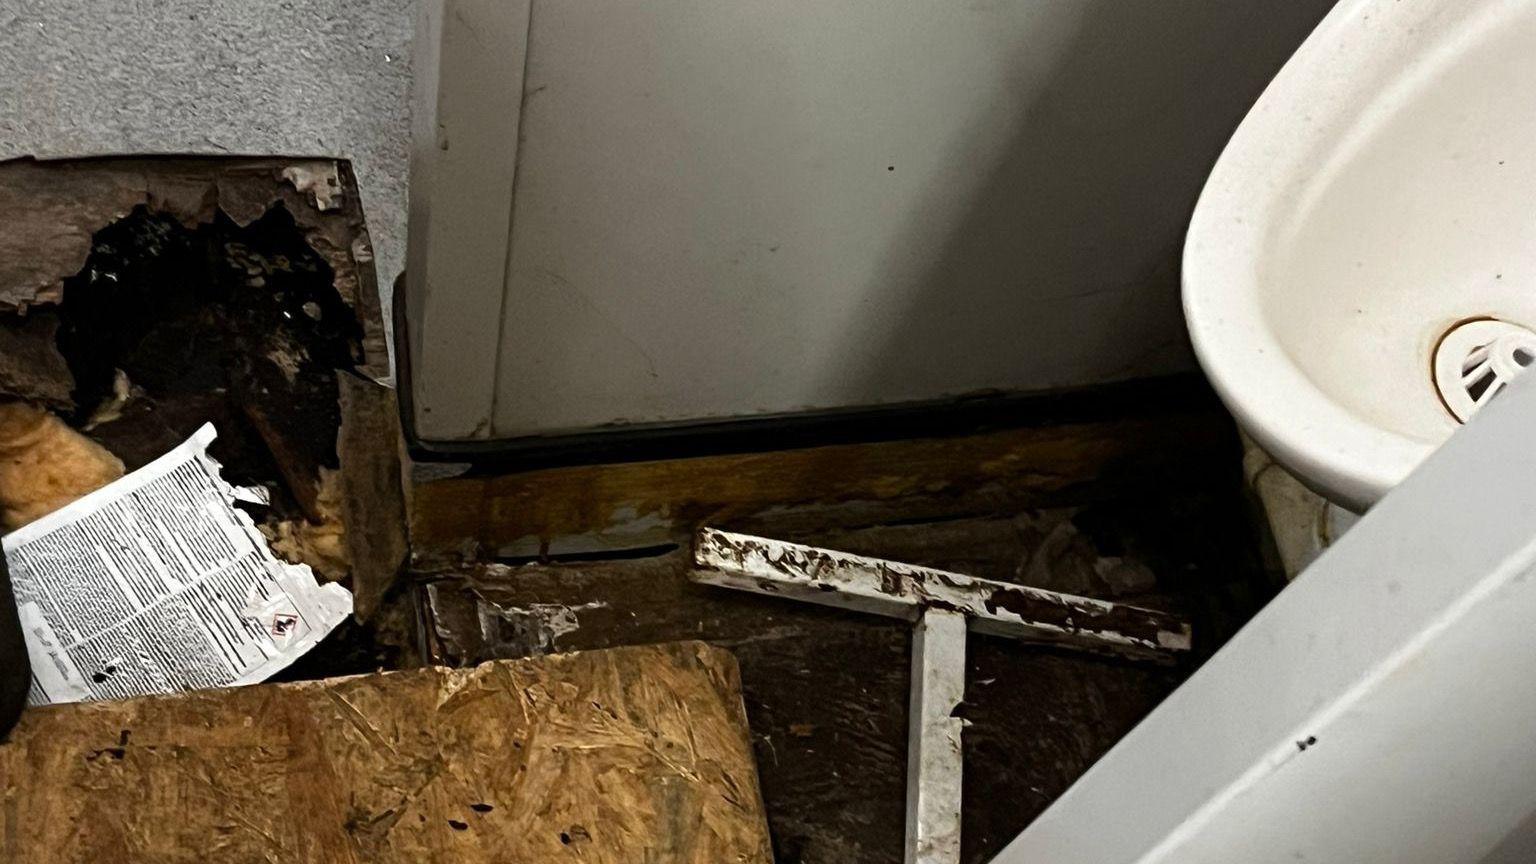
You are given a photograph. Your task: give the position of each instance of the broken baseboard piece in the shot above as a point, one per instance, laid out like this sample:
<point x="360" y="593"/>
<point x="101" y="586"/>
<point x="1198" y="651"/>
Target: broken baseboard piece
<point x="943" y="606"/>
<point x="905" y="591"/>
<point x="637" y="754"/>
<point x="157" y="583"/>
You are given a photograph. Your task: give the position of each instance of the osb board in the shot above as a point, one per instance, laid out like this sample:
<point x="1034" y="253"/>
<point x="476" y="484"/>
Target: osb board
<point x="826" y="692"/>
<point x="603" y="507"/>
<point x="624" y="756"/>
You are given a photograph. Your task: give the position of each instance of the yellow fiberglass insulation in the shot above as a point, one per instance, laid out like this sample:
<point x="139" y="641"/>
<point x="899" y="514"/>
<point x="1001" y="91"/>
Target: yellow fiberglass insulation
<point x="45" y="464"/>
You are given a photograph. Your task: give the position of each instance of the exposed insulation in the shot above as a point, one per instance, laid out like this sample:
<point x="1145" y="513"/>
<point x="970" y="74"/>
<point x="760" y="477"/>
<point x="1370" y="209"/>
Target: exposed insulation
<point x="320" y="544"/>
<point x="45" y="464"/>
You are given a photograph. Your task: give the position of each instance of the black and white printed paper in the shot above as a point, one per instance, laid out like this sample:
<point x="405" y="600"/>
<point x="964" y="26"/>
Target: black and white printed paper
<point x="157" y="583"/>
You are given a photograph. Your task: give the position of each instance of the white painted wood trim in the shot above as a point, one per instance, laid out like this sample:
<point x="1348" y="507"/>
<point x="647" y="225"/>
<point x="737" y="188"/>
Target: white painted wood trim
<point x="935" y="760"/>
<point x="891" y="588"/>
<point x="1381" y="710"/>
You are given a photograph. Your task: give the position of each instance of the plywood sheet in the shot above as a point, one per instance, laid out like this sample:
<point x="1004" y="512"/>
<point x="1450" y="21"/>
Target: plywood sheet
<point x="628" y="755"/>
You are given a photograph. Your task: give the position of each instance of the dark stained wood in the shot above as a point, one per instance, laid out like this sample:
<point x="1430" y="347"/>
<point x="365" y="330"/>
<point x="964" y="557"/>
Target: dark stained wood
<point x="597" y="507"/>
<point x="372" y="497"/>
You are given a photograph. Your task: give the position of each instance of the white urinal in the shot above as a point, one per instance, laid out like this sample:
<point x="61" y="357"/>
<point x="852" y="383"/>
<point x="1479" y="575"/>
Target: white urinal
<point x="1360" y="272"/>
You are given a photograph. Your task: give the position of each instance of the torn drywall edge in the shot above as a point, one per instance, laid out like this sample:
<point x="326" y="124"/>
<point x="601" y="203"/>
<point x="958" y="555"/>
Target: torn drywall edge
<point x="52" y="208"/>
<point x="76" y="198"/>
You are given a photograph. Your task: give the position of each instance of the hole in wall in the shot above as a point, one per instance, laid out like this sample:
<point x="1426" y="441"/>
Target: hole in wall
<point x="167" y="327"/>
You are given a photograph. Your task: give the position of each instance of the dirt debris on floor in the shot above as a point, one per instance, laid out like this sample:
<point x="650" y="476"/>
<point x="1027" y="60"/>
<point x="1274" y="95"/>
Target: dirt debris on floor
<point x="826" y="690"/>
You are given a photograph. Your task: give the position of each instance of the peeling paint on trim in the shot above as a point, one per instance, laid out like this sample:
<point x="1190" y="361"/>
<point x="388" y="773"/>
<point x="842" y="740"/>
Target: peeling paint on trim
<point x="899" y="590"/>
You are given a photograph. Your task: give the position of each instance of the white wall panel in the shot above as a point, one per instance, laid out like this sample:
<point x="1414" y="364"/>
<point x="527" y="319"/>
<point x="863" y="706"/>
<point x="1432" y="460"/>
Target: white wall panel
<point x="730" y="210"/>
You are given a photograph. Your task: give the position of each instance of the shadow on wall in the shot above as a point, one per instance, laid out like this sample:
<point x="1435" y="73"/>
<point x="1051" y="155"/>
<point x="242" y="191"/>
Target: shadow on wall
<point x="1109" y="155"/>
<point x="1517" y="847"/>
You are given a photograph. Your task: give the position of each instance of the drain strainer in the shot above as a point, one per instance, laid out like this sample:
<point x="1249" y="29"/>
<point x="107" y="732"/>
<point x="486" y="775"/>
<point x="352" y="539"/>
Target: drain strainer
<point x="1476" y="359"/>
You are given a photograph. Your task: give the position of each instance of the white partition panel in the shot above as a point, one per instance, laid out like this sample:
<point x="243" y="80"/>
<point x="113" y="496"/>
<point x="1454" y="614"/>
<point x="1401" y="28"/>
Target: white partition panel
<point x="727" y="210"/>
<point x="1381" y="710"/>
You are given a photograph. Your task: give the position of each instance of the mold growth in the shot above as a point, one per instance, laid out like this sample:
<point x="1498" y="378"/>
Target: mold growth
<point x="167" y="327"/>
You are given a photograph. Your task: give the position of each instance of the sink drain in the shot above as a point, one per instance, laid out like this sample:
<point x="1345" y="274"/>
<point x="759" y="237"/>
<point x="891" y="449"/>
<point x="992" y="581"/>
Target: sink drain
<point x="1476" y="359"/>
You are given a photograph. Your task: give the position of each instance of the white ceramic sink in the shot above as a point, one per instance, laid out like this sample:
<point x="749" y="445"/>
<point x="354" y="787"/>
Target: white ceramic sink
<point x="1380" y="195"/>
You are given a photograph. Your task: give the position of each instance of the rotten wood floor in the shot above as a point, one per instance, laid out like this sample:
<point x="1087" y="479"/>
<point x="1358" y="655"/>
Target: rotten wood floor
<point x="1138" y="500"/>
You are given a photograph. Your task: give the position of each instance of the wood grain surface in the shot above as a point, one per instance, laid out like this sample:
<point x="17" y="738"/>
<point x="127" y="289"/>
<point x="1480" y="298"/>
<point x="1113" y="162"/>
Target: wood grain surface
<point x="630" y="756"/>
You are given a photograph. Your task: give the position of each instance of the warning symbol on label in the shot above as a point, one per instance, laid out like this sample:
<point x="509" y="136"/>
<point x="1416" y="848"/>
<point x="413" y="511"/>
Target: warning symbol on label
<point x="282" y="623"/>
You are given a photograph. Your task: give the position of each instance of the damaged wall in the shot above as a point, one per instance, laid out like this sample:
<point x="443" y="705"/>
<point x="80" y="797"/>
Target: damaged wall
<point x="322" y="77"/>
<point x="149" y="296"/>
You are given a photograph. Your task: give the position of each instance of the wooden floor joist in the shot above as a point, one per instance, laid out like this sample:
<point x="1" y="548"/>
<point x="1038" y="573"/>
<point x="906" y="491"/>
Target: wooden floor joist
<point x="582" y="509"/>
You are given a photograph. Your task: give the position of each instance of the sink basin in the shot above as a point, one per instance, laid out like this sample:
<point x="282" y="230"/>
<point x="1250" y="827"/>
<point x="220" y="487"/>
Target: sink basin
<point x="1360" y="271"/>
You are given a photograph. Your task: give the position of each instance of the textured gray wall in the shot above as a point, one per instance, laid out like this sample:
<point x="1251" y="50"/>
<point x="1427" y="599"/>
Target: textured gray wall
<point x="263" y="77"/>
